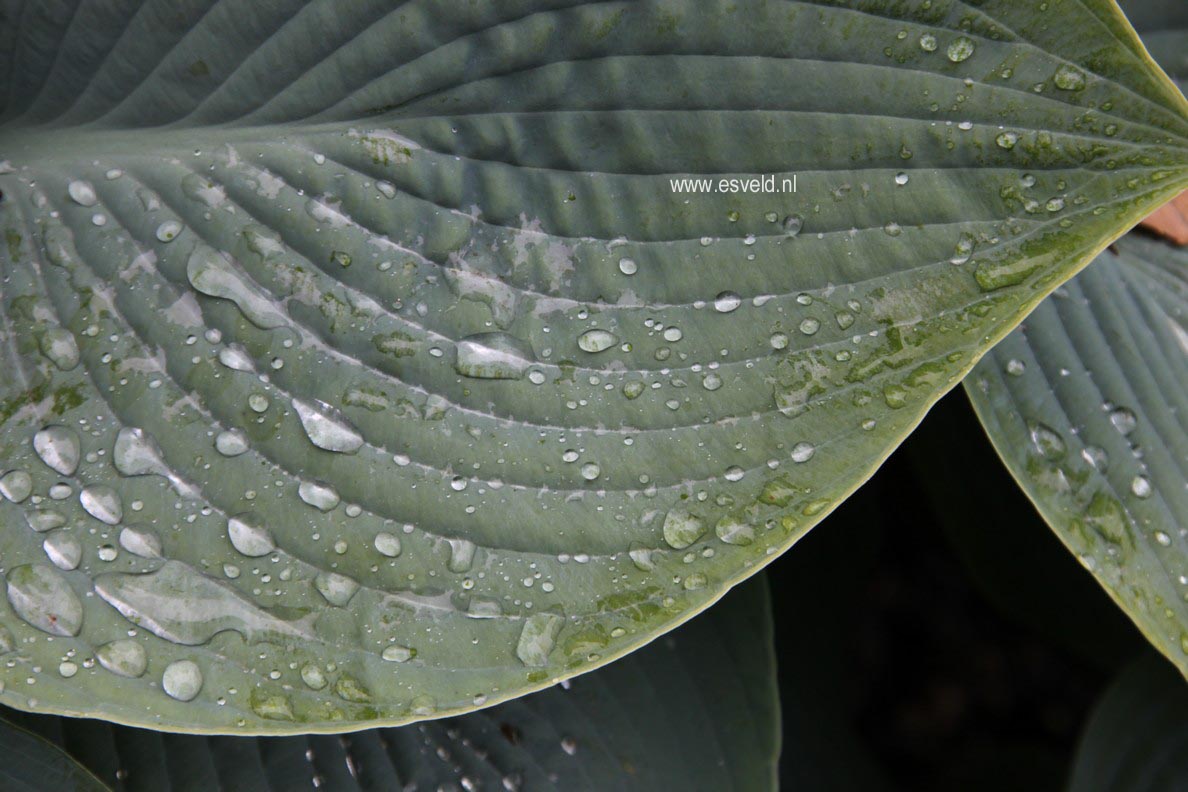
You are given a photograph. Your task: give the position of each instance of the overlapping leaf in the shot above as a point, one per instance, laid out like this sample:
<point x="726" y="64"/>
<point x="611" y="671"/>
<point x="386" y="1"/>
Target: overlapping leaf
<point x="711" y="684"/>
<point x="1135" y="739"/>
<point x="1086" y="404"/>
<point x="363" y="363"/>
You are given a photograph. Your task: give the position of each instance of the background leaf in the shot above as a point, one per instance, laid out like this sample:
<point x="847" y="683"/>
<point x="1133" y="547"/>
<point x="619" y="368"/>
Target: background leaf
<point x="697" y="709"/>
<point x="367" y="362"/>
<point x="29" y="763"/>
<point x="1136" y="739"/>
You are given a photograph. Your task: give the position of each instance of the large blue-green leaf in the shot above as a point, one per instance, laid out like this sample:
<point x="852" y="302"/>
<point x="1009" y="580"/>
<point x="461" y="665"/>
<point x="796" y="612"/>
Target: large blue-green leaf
<point x="696" y="710"/>
<point x="1086" y="403"/>
<point x="363" y="364"/>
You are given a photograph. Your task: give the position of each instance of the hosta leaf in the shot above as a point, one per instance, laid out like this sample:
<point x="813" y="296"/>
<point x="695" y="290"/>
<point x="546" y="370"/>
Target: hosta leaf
<point x="1086" y="403"/>
<point x="1136" y="740"/>
<point x="696" y="711"/>
<point x="29" y="763"/>
<point x="365" y="366"/>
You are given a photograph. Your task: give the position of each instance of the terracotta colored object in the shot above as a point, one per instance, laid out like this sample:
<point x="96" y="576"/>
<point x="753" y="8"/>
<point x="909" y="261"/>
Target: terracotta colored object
<point x="1170" y="220"/>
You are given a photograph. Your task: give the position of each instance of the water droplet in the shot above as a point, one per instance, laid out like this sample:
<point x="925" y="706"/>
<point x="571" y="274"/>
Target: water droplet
<point x="633" y="389"/>
<point x="82" y="193"/>
<point x="960" y="49"/>
<point x="58" y="447"/>
<point x="732" y="530"/>
<point x="810" y="326"/>
<point x="337" y="589"/>
<point x="213" y="274"/>
<point x="136" y="454"/>
<point x="778" y="341"/>
<point x="235" y="358"/>
<point x="682" y="529"/>
<point x="1141" y="487"/>
<point x="727" y="301"/>
<point x="182" y="680"/>
<point x="125" y="657"/>
<point x="249" y="535"/>
<point x="1096" y="456"/>
<point x="673" y="334"/>
<point x="1123" y="420"/>
<point x="493" y="356"/>
<point x="397" y="654"/>
<point x="793" y="224"/>
<point x="591" y="471"/>
<point x="103" y="503"/>
<point x="60" y="347"/>
<point x="628" y="266"/>
<point x="40" y="595"/>
<point x="1015" y="367"/>
<point x="1068" y="78"/>
<point x="803" y="452"/>
<point x="63" y="550"/>
<point x="322" y="497"/>
<point x="1047" y="441"/>
<point x="141" y="542"/>
<point x="537" y="638"/>
<point x="312" y="676"/>
<point x="387" y="544"/>
<point x="168" y="231"/>
<point x="711" y="382"/>
<point x="928" y="42"/>
<point x="67" y="669"/>
<point x="42" y="520"/>
<point x="203" y="190"/>
<point x="1006" y="140"/>
<point x="594" y="341"/>
<point x="231" y="443"/>
<point x="461" y="555"/>
<point x="326" y="428"/>
<point x="734" y="473"/>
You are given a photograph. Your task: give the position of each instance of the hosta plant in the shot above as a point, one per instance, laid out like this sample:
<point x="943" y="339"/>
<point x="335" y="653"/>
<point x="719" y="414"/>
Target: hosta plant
<point x="370" y="363"/>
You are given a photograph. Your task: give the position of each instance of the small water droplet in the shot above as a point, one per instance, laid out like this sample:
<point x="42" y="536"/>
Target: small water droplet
<point x="1140" y="486"/>
<point x="628" y="266"/>
<point x="337" y="589"/>
<point x="231" y="443"/>
<point x="169" y="230"/>
<point x="1123" y="420"/>
<point x="63" y="550"/>
<point x="493" y="356"/>
<point x="60" y="347"/>
<point x="682" y="529"/>
<point x="792" y="225"/>
<point x="397" y="654"/>
<point x="537" y="638"/>
<point x="928" y="42"/>
<point x="387" y="544"/>
<point x="1069" y="78"/>
<point x="124" y="657"/>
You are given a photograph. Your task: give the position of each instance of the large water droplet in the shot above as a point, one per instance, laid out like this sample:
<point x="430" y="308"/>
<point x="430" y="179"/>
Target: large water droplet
<point x="182" y="680"/>
<point x="60" y="347"/>
<point x="103" y="503"/>
<point x="322" y="497"/>
<point x="40" y="595"/>
<point x="397" y="654"/>
<point x="1123" y="420"/>
<point x="63" y="550"/>
<point x="231" y="442"/>
<point x="337" y="589"/>
<point x="387" y="544"/>
<point x="461" y="555"/>
<point x="213" y="274"/>
<point x="1069" y="78"/>
<point x="732" y="530"/>
<point x="181" y="605"/>
<point x="58" y="447"/>
<point x="493" y="356"/>
<point x="594" y="341"/>
<point x="682" y="529"/>
<point x="82" y="193"/>
<point x="961" y="49"/>
<point x="537" y="638"/>
<point x="140" y="541"/>
<point x="327" y="428"/>
<point x="1047" y="441"/>
<point x="136" y="454"/>
<point x="727" y="301"/>
<point x="249" y="535"/>
<point x="123" y="657"/>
